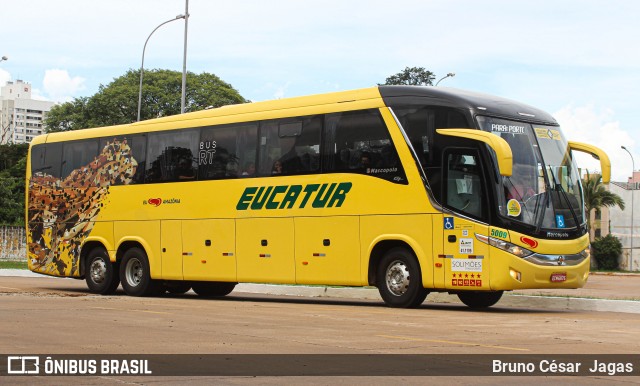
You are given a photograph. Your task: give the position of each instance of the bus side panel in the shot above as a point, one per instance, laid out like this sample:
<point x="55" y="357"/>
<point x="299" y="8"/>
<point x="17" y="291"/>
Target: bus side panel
<point x="265" y="250"/>
<point x="171" y="244"/>
<point x="147" y="234"/>
<point x="438" y="251"/>
<point x="328" y="250"/>
<point x="209" y="250"/>
<point x="103" y="233"/>
<point x="414" y="230"/>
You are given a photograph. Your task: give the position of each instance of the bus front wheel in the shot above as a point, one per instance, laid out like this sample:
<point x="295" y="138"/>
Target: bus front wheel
<point x="399" y="279"/>
<point x="102" y="277"/>
<point x="479" y="299"/>
<point x="135" y="274"/>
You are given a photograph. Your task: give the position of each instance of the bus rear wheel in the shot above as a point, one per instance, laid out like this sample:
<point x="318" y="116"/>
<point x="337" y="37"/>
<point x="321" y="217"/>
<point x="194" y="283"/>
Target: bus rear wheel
<point x="101" y="275"/>
<point x="478" y="300"/>
<point x="399" y="279"/>
<point x="135" y="274"/>
<point x="212" y="289"/>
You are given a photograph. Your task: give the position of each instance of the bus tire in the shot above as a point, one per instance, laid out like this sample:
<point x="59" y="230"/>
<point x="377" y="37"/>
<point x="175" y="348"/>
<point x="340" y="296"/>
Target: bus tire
<point x="135" y="274"/>
<point x="479" y="300"/>
<point x="212" y="289"/>
<point x="175" y="287"/>
<point x="399" y="279"/>
<point x="101" y="275"/>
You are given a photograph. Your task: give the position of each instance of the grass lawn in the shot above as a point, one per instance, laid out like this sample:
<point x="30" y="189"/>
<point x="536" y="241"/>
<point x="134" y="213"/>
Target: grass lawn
<point x="13" y="264"/>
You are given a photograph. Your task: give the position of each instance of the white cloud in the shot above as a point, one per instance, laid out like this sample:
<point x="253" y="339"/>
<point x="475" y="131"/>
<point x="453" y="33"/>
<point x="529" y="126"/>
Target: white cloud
<point x="600" y="128"/>
<point x="60" y="87"/>
<point x="37" y="94"/>
<point x="281" y="91"/>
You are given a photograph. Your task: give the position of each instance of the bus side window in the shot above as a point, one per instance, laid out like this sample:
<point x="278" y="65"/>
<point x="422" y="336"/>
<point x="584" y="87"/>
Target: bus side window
<point x="172" y="156"/>
<point x="78" y="154"/>
<point x="139" y="153"/>
<point x="37" y="159"/>
<point x="464" y="192"/>
<point x="227" y="151"/>
<point x="359" y="142"/>
<point x="45" y="159"/>
<point x="290" y="146"/>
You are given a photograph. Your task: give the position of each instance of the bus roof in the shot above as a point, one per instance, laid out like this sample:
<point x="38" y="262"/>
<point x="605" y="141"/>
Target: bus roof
<point x="477" y="103"/>
<point x="360" y="98"/>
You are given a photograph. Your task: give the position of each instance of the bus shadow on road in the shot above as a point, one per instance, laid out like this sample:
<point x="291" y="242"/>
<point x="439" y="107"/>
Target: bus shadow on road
<point x="287" y="299"/>
<point x="259" y="298"/>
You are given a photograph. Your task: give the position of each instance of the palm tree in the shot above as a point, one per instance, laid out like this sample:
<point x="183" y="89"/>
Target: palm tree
<point x="596" y="196"/>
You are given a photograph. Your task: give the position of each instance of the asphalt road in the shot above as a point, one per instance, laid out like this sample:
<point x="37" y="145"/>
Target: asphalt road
<point x="59" y="316"/>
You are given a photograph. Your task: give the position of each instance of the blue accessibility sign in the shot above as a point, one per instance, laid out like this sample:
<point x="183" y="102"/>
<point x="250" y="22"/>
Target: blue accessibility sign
<point x="448" y="223"/>
<point x="559" y="221"/>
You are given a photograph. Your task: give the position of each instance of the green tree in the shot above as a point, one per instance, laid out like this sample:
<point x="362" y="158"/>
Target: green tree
<point x="12" y="166"/>
<point x="12" y="205"/>
<point x="67" y="116"/>
<point x="606" y="251"/>
<point x="117" y="102"/>
<point x="412" y="76"/>
<point x="596" y="196"/>
<point x="10" y="156"/>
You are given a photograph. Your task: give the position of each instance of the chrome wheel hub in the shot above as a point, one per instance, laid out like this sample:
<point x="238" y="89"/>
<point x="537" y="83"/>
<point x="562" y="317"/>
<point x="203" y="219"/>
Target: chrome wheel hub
<point x="98" y="271"/>
<point x="134" y="272"/>
<point x="397" y="278"/>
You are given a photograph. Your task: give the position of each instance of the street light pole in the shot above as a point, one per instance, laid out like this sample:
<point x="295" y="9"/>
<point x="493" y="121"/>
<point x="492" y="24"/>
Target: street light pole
<point x="3" y="58"/>
<point x="633" y="166"/>
<point x="184" y="59"/>
<point x="449" y="75"/>
<point x="142" y="65"/>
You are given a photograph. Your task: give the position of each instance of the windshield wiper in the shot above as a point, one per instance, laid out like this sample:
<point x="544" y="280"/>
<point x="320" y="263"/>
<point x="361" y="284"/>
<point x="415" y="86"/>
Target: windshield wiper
<point x="558" y="188"/>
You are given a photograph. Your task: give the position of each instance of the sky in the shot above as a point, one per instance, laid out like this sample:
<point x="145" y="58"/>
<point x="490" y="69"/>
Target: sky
<point x="576" y="59"/>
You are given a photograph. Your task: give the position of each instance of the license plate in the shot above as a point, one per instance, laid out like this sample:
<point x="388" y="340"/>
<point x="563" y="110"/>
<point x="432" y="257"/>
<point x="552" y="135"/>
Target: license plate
<point x="558" y="277"/>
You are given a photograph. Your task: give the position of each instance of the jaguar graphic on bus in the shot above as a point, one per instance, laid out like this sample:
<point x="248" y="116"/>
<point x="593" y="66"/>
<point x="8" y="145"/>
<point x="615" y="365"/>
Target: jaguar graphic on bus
<point x="409" y="189"/>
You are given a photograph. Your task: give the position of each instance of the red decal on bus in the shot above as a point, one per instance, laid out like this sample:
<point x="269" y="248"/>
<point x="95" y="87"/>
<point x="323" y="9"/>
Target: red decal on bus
<point x="530" y="242"/>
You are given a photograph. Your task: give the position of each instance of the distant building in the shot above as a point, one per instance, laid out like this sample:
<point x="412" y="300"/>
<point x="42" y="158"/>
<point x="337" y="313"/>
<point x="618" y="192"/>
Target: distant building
<point x="21" y="118"/>
<point x="620" y="221"/>
<point x="617" y="222"/>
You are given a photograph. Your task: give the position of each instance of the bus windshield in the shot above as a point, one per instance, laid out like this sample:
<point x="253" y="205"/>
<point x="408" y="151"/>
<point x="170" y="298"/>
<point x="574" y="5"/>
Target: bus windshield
<point x="544" y="189"/>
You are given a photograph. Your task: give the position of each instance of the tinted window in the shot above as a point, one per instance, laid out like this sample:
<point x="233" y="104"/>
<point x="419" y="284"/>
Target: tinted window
<point x="358" y="142"/>
<point x="37" y="159"/>
<point x="78" y="154"/>
<point x="463" y="190"/>
<point x="172" y="156"/>
<point x="52" y="159"/>
<point x="420" y="123"/>
<point x="290" y="146"/>
<point x="227" y="151"/>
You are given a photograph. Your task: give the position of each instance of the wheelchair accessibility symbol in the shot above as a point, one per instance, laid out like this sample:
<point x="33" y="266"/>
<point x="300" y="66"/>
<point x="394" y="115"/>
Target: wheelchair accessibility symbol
<point x="560" y="221"/>
<point x="448" y="223"/>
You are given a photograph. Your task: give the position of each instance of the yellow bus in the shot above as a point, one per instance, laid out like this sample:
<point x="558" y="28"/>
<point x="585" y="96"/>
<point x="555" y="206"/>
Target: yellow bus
<point x="408" y="189"/>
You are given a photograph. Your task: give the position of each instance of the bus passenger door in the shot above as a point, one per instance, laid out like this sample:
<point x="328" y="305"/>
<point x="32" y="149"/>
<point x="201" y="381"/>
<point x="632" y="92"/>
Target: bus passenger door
<point x="465" y="258"/>
<point x="327" y="250"/>
<point x="171" y="247"/>
<point x="209" y="250"/>
<point x="265" y="250"/>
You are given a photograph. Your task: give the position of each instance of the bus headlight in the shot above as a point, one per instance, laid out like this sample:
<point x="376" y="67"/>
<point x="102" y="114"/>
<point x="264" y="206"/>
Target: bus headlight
<point x="586" y="253"/>
<point x="505" y="246"/>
